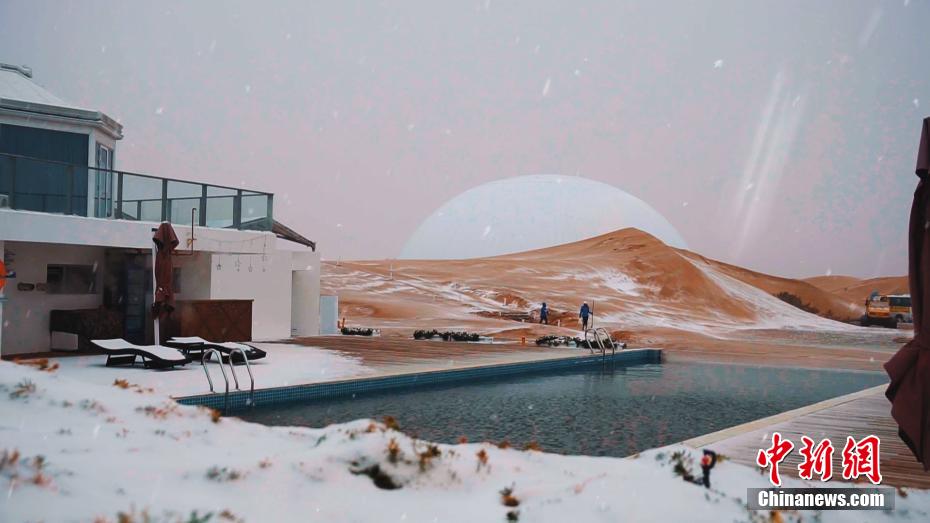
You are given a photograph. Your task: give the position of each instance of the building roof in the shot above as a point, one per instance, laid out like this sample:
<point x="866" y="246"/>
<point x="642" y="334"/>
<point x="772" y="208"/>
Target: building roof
<point x="286" y="233"/>
<point x="18" y="92"/>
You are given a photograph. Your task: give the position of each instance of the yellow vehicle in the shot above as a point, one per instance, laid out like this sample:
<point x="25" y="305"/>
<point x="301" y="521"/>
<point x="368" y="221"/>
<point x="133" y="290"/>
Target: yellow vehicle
<point x="890" y="310"/>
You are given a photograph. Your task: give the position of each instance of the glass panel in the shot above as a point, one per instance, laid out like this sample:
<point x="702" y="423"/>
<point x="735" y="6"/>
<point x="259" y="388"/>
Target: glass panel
<point x="254" y="212"/>
<point x="220" y="211"/>
<point x="182" y="210"/>
<point x="45" y="187"/>
<point x="141" y="198"/>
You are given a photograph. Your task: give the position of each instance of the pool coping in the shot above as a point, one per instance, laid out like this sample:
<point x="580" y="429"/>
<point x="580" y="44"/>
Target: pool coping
<point x="407" y="379"/>
<point x="788" y="415"/>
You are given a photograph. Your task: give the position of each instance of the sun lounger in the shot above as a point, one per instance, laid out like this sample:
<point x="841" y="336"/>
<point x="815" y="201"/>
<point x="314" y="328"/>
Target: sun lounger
<point x="196" y="345"/>
<point x="122" y="352"/>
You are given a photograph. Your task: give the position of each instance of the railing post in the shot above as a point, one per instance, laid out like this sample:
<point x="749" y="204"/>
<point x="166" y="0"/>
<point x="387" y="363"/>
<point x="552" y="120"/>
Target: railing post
<point x="69" y="207"/>
<point x="270" y="216"/>
<point x="165" y="212"/>
<point x="12" y="183"/>
<point x="119" y="196"/>
<point x="237" y="210"/>
<point x="203" y="206"/>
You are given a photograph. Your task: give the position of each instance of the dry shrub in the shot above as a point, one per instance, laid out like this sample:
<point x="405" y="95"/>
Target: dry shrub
<point x="41" y="364"/>
<point x="391" y="423"/>
<point x="532" y="446"/>
<point x="393" y="450"/>
<point x="23" y="389"/>
<point x="504" y="445"/>
<point x="482" y="459"/>
<point x="463" y="440"/>
<point x="507" y="497"/>
<point x="426" y="457"/>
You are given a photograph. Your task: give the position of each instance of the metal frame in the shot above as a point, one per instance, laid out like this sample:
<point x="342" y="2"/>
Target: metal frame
<point x="119" y="204"/>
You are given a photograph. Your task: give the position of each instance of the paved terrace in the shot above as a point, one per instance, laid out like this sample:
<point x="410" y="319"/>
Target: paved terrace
<point x="858" y="415"/>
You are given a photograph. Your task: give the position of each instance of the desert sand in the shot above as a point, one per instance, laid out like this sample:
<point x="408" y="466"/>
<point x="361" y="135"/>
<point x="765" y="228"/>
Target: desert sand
<point x="643" y="291"/>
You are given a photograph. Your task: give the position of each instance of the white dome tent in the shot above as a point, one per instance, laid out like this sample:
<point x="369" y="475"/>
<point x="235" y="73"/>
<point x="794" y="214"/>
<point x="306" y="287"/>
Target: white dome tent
<point x="532" y="212"/>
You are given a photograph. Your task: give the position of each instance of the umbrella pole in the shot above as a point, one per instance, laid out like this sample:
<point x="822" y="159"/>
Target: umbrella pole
<point x="154" y="289"/>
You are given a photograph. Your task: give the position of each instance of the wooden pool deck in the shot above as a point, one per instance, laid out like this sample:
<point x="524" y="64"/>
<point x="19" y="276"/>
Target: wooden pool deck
<point x="392" y="354"/>
<point x="858" y="415"/>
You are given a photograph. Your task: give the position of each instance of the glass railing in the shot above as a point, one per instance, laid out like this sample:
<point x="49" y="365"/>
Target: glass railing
<point x="57" y="187"/>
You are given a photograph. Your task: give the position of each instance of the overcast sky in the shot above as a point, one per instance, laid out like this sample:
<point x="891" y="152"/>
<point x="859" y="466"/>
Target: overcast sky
<point x="775" y="135"/>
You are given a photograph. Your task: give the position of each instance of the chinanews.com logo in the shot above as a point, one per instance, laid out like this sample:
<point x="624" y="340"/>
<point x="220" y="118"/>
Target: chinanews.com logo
<point x="860" y="462"/>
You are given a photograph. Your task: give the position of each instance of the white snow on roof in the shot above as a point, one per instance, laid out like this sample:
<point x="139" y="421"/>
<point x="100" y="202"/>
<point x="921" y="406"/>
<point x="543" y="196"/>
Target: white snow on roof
<point x="15" y="86"/>
<point x="20" y="92"/>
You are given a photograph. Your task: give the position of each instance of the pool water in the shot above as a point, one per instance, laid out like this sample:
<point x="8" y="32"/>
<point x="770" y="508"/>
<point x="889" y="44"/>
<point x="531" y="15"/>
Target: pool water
<point x="599" y="411"/>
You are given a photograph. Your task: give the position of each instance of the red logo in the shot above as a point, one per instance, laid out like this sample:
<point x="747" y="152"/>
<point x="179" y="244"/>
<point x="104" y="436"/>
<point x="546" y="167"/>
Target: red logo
<point x="816" y="460"/>
<point x="860" y="458"/>
<point x="774" y="455"/>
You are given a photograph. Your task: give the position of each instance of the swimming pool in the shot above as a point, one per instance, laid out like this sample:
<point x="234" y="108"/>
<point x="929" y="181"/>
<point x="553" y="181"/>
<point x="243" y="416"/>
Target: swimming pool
<point x="613" y="410"/>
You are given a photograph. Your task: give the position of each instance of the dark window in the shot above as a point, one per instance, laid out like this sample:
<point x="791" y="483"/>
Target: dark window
<point x="900" y="302"/>
<point x="71" y="279"/>
<point x="37" y="185"/>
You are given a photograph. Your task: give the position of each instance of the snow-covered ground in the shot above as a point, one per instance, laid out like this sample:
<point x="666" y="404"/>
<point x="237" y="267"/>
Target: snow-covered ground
<point x="77" y="451"/>
<point x="285" y="365"/>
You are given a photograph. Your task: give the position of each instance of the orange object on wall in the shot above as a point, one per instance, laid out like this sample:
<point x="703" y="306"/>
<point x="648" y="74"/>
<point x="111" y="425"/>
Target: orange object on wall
<point x="2" y="274"/>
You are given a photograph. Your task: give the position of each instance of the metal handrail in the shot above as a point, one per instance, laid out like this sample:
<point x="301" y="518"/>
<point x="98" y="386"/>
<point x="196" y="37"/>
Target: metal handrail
<point x="232" y="368"/>
<point x="103" y="169"/>
<point x="203" y="359"/>
<point x="122" y="208"/>
<point x="600" y="342"/>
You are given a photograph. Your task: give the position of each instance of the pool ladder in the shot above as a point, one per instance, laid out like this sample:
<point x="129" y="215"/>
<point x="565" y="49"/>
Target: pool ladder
<point x="208" y="354"/>
<point x="602" y="340"/>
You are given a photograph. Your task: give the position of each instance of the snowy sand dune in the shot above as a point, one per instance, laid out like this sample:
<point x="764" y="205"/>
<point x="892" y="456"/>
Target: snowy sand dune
<point x="86" y="452"/>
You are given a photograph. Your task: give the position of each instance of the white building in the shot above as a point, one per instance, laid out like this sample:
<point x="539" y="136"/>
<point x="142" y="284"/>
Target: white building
<point x="77" y="233"/>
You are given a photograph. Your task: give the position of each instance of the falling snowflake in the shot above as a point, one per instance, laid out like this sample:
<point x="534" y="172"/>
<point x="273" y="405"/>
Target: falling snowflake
<point x="248" y="88"/>
<point x="577" y="72"/>
<point x="487" y="230"/>
<point x="718" y="64"/>
<point x="160" y="110"/>
<point x="684" y="204"/>
<point x="545" y="91"/>
<point x="410" y="126"/>
<point x="916" y="102"/>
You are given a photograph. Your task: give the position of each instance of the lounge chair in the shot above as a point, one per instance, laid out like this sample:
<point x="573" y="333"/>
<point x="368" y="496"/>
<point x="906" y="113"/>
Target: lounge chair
<point x="196" y="345"/>
<point x="122" y="352"/>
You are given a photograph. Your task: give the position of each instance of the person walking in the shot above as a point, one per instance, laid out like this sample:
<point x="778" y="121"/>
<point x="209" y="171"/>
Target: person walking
<point x="544" y="314"/>
<point x="583" y="314"/>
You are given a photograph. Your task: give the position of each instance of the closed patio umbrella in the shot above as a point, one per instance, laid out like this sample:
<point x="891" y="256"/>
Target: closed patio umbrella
<point x="909" y="368"/>
<point x="165" y="241"/>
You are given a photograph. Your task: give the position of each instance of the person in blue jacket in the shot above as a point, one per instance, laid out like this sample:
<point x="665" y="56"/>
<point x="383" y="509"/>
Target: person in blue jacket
<point x="544" y="314"/>
<point x="583" y="314"/>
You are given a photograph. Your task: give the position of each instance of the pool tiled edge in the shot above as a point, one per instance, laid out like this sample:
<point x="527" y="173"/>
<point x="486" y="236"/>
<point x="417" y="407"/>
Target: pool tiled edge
<point x="333" y="389"/>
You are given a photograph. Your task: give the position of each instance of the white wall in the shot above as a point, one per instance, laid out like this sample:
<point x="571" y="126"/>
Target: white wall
<point x="268" y="284"/>
<point x="305" y="294"/>
<point x="195" y="276"/>
<point x="26" y="313"/>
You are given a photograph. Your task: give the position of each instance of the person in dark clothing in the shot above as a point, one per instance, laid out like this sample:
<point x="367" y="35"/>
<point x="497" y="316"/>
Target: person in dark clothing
<point x="583" y="314"/>
<point x="708" y="460"/>
<point x="544" y="314"/>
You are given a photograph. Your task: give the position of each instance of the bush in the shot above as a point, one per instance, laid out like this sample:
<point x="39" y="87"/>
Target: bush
<point x="356" y="331"/>
<point x="558" y="341"/>
<point x="795" y="300"/>
<point x="446" y="336"/>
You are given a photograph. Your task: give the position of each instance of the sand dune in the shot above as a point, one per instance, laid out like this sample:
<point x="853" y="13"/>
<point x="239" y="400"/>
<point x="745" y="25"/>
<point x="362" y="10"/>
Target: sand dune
<point x="634" y="282"/>
<point x="856" y="290"/>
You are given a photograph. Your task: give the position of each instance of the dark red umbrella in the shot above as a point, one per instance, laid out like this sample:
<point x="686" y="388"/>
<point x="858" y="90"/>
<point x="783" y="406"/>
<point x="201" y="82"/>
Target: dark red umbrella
<point x="165" y="242"/>
<point x="909" y="369"/>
